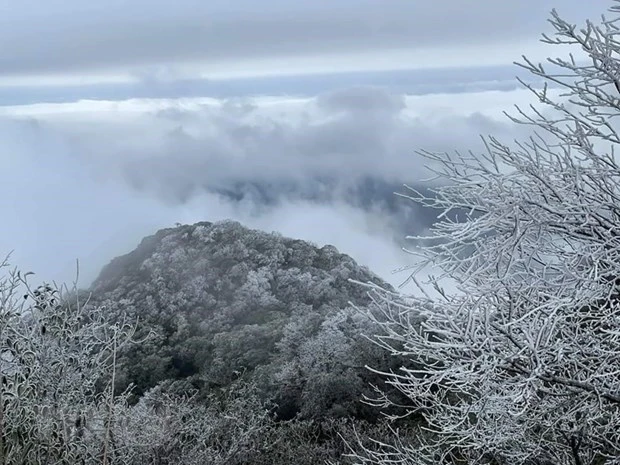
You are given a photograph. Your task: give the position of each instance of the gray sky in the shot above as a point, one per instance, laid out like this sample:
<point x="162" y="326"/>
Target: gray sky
<point x="118" y="118"/>
<point x="157" y="39"/>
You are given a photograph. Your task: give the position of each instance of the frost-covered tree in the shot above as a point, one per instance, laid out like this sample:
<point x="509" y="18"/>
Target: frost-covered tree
<point x="55" y="359"/>
<point x="58" y="363"/>
<point x="517" y="361"/>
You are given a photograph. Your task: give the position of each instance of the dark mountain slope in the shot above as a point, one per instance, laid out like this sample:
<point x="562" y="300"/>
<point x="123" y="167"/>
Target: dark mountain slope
<point x="225" y="302"/>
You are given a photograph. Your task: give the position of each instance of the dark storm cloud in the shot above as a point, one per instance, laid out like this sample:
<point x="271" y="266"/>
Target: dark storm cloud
<point x="60" y="36"/>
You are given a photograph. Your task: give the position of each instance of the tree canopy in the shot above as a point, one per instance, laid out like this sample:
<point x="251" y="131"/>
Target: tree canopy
<point x="519" y="345"/>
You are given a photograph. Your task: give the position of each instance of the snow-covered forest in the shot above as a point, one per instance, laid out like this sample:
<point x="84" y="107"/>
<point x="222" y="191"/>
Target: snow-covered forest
<point x="213" y="343"/>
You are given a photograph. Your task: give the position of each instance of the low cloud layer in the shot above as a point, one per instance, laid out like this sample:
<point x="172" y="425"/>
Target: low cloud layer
<point x="177" y="148"/>
<point x="451" y="80"/>
<point x="88" y="180"/>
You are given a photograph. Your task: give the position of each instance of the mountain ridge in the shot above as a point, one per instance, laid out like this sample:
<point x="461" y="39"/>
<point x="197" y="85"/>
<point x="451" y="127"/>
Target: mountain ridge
<point x="226" y="301"/>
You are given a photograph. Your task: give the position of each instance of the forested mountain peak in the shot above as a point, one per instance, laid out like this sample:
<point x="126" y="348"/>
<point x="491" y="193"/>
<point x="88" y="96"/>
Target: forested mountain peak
<point x="229" y="247"/>
<point x="224" y="301"/>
